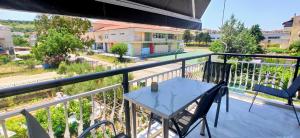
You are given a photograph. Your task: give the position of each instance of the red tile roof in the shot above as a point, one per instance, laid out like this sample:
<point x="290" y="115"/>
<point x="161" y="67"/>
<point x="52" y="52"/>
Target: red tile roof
<point x="111" y="25"/>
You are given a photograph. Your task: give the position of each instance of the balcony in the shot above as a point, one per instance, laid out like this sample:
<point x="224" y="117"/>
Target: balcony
<point x="268" y="118"/>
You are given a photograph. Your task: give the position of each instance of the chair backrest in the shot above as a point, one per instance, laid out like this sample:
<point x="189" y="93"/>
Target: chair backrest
<point x="35" y="130"/>
<point x="295" y="86"/>
<point x="204" y="105"/>
<point x="216" y="72"/>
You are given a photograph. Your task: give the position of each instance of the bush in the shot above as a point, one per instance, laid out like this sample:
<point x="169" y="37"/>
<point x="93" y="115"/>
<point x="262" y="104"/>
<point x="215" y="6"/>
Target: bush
<point x="58" y="117"/>
<point x="62" y="68"/>
<point x="30" y="64"/>
<point x="4" y="59"/>
<point x="277" y="50"/>
<point x="120" y="49"/>
<point x="25" y="57"/>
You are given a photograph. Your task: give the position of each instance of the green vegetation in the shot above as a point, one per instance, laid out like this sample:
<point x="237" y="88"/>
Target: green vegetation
<point x="58" y="36"/>
<point x="24" y="66"/>
<point x="57" y="112"/>
<point x="187" y="36"/>
<point x="203" y="37"/>
<point x="19" y="26"/>
<point x="55" y="47"/>
<point x="255" y="31"/>
<point x="120" y="49"/>
<point x="295" y="48"/>
<point x="20" y="41"/>
<point x="235" y="38"/>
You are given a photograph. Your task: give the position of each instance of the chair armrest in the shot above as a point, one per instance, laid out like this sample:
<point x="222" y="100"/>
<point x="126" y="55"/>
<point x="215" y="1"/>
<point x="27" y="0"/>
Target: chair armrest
<point x="285" y="90"/>
<point x="260" y="83"/>
<point x="97" y="124"/>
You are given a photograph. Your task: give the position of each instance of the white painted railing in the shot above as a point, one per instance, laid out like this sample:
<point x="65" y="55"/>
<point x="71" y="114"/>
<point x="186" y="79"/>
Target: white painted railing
<point x="101" y="107"/>
<point x="245" y="74"/>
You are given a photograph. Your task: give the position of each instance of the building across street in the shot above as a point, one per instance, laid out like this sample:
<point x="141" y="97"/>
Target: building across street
<point x="6" y="43"/>
<point x="142" y="40"/>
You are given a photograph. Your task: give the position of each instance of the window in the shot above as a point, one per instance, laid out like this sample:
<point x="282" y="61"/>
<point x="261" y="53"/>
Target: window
<point x="274" y="37"/>
<point x="106" y="36"/>
<point x="112" y="34"/>
<point x="122" y="33"/>
<point x="171" y="36"/>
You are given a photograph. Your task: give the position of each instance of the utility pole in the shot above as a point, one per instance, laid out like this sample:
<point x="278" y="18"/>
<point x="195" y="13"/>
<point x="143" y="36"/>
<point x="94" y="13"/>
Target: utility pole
<point x="224" y="6"/>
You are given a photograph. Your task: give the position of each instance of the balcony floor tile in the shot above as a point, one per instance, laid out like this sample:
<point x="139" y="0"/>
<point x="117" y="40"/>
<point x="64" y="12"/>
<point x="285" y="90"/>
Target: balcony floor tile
<point x="264" y="121"/>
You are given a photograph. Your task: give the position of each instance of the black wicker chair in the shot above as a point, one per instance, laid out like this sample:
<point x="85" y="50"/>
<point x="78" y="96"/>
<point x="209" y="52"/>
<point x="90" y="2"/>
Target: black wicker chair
<point x="215" y="73"/>
<point x="182" y="124"/>
<point x="97" y="125"/>
<point x="283" y="93"/>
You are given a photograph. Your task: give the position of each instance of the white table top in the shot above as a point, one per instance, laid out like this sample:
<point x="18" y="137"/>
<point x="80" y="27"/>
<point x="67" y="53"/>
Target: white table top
<point x="172" y="96"/>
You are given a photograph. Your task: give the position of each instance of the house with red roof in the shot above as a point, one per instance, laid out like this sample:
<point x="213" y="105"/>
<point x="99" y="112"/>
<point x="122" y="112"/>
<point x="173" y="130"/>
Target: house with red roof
<point x="142" y="40"/>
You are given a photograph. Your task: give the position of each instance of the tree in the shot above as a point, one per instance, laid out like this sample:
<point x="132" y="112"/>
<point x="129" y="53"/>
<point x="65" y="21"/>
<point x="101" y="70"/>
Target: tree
<point x="255" y="31"/>
<point x="20" y="41"/>
<point x="120" y="49"/>
<point x="56" y="46"/>
<point x="217" y="46"/>
<point x="187" y="36"/>
<point x="295" y="48"/>
<point x="58" y="36"/>
<point x="206" y="38"/>
<point x="235" y="38"/>
<point x="71" y="25"/>
<point x="199" y="37"/>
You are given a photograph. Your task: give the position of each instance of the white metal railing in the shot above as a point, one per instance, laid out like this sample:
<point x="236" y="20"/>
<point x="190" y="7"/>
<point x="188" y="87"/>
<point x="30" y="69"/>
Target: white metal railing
<point x="245" y="74"/>
<point x="111" y="110"/>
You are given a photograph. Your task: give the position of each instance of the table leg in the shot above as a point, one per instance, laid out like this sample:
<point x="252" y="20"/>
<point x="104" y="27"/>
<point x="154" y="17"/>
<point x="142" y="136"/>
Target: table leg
<point x="165" y="124"/>
<point x="133" y="120"/>
<point x="202" y="131"/>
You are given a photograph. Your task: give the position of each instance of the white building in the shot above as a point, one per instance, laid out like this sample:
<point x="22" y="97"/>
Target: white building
<point x="280" y="37"/>
<point x="142" y="40"/>
<point x="6" y="43"/>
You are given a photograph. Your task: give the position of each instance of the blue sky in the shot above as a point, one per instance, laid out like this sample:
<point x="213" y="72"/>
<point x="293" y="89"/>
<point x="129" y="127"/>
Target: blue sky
<point x="269" y="14"/>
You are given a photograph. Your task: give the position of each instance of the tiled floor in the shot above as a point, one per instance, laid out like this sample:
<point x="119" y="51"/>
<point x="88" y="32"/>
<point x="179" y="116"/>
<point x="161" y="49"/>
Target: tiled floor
<point x="264" y="121"/>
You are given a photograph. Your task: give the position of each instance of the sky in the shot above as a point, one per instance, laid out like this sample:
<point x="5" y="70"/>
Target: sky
<point x="269" y="14"/>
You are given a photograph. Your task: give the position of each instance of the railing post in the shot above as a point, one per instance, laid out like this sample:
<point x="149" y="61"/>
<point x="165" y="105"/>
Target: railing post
<point x="224" y="67"/>
<point x="183" y="69"/>
<point x="125" y="85"/>
<point x="208" y="68"/>
<point x="295" y="75"/>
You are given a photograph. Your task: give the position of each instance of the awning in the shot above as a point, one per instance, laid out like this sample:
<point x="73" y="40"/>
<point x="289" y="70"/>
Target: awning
<point x="174" y="13"/>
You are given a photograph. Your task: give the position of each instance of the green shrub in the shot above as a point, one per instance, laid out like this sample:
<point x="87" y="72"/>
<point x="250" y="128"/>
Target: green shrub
<point x="25" y="57"/>
<point x="4" y="59"/>
<point x="58" y="117"/>
<point x="120" y="49"/>
<point x="62" y="68"/>
<point x="17" y="125"/>
<point x="277" y="50"/>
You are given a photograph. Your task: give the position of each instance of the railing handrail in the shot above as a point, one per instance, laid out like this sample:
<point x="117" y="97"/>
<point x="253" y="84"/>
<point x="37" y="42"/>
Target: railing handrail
<point x="6" y="92"/>
<point x="9" y="114"/>
<point x="12" y="91"/>
<point x="258" y="55"/>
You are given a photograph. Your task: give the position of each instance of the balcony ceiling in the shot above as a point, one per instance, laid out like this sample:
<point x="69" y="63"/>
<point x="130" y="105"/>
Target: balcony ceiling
<point x="173" y="13"/>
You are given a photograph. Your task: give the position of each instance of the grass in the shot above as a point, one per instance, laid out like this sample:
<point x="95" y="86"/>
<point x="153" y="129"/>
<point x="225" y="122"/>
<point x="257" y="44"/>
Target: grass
<point x="107" y="58"/>
<point x="13" y="70"/>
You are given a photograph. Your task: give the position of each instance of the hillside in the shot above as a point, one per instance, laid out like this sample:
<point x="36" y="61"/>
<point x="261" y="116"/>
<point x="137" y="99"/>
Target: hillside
<point x="19" y="26"/>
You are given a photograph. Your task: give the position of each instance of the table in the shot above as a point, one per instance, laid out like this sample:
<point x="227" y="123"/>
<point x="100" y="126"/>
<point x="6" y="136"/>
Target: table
<point x="173" y="96"/>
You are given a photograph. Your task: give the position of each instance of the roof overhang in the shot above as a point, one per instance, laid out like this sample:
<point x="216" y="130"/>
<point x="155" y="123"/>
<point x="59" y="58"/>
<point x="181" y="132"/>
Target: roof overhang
<point x="174" y="13"/>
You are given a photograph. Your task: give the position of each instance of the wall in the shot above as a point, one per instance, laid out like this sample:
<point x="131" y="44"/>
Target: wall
<point x="295" y="30"/>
